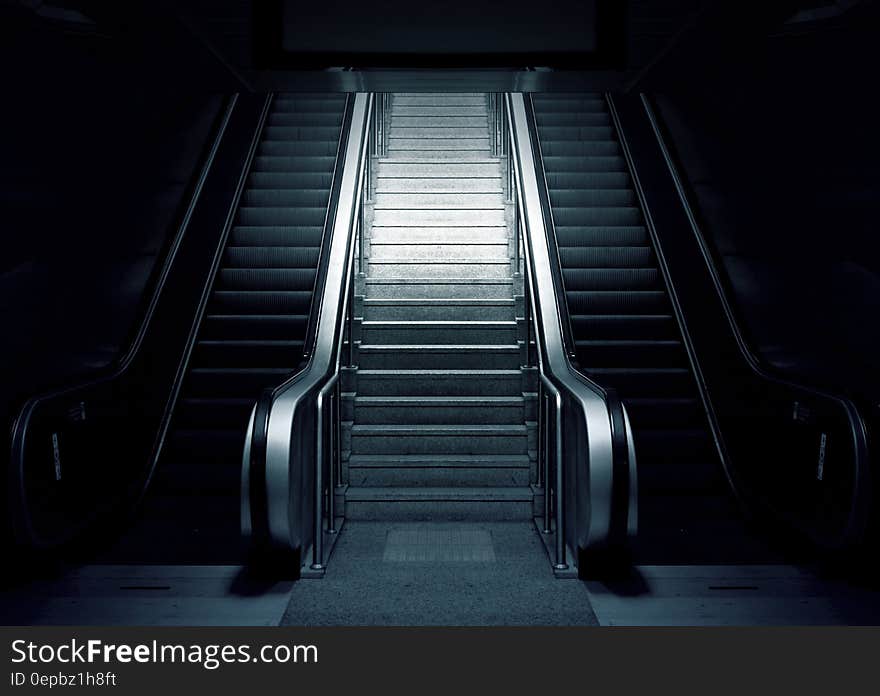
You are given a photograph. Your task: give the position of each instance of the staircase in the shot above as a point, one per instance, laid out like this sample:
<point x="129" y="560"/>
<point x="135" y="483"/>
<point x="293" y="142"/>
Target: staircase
<point x="440" y="402"/>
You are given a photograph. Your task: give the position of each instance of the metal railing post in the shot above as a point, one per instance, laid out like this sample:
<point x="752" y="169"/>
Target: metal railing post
<point x="331" y="469"/>
<point x="545" y="413"/>
<point x="558" y="497"/>
<point x="318" y="544"/>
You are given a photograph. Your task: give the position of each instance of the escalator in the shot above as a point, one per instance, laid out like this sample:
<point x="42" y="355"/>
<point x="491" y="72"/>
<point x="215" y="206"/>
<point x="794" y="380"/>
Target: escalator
<point x="252" y="335"/>
<point x="627" y="336"/>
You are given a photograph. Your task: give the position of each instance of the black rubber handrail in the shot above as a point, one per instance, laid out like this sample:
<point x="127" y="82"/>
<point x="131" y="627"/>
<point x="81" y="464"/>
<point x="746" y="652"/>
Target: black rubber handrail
<point x="326" y="234"/>
<point x="550" y="227"/>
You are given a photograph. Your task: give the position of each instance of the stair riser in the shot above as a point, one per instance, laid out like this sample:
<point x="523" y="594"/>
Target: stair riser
<point x="438" y="334"/>
<point x="373" y="312"/>
<point x="440" y="144"/>
<point x="432" y="360"/>
<point x="447" y="415"/>
<point x="412" y="511"/>
<point x="430" y="170"/>
<point x="439" y="185"/>
<point x="383" y="251"/>
<point x="429" y="236"/>
<point x="439" y="290"/>
<point x="439" y="218"/>
<point x="434" y="444"/>
<point x="439" y="386"/>
<point x="438" y="476"/>
<point x="488" y="269"/>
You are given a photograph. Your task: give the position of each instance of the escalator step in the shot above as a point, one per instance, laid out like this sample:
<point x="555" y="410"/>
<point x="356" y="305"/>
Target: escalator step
<point x="300" y="132"/>
<point x="291" y="180"/>
<point x="562" y="164"/>
<point x="568" y="118"/>
<point x="602" y="235"/>
<point x="234" y="382"/>
<point x="296" y="105"/>
<point x="311" y="148"/>
<point x="577" y="259"/>
<point x="235" y="353"/>
<point x="261" y="301"/>
<point x="279" y="215"/>
<point x="553" y="133"/>
<point x="257" y="327"/>
<point x="294" y="198"/>
<point x="619" y="302"/>
<point x="303" y="164"/>
<point x="611" y="279"/>
<point x="623" y="353"/>
<point x="266" y="279"/>
<point x="272" y="257"/>
<point x="597" y="216"/>
<point x="615" y="326"/>
<point x="587" y="180"/>
<point x="304" y="118"/>
<point x="573" y="148"/>
<point x="607" y="197"/>
<point x="277" y="235"/>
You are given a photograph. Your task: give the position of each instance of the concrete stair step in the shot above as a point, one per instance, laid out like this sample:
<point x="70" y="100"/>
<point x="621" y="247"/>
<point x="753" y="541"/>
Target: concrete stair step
<point x="421" y="110"/>
<point x="448" y="185"/>
<point x="439" y="218"/>
<point x="441" y="157"/>
<point x="417" y="288"/>
<point x="438" y="332"/>
<point x="436" y="474"/>
<point x="438" y="122"/>
<point x="440" y="382"/>
<point x="438" y="200"/>
<point x="439" y="99"/>
<point x="439" y="309"/>
<point x="439" y="439"/>
<point x="434" y="170"/>
<point x="402" y="144"/>
<point x="420" y="236"/>
<point x="440" y="131"/>
<point x="438" y="503"/>
<point x="430" y="410"/>
<point x="463" y="268"/>
<point x="429" y="253"/>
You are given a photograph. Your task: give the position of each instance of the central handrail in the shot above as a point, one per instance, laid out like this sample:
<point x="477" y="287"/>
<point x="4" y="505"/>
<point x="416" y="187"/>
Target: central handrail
<point x="594" y="491"/>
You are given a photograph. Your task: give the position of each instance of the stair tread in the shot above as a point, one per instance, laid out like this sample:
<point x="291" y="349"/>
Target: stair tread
<point x="400" y="493"/>
<point x="448" y="459"/>
<point x="437" y="347"/>
<point x="440" y="429"/>
<point x="436" y="400"/>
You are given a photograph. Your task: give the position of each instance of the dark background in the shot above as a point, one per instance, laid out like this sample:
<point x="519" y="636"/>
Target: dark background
<point x="109" y="107"/>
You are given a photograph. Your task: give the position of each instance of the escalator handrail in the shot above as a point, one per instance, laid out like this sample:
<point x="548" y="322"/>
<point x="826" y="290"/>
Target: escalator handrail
<point x="611" y="465"/>
<point x="550" y="231"/>
<point x="329" y="216"/>
<point x="858" y="512"/>
<point x="267" y="458"/>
